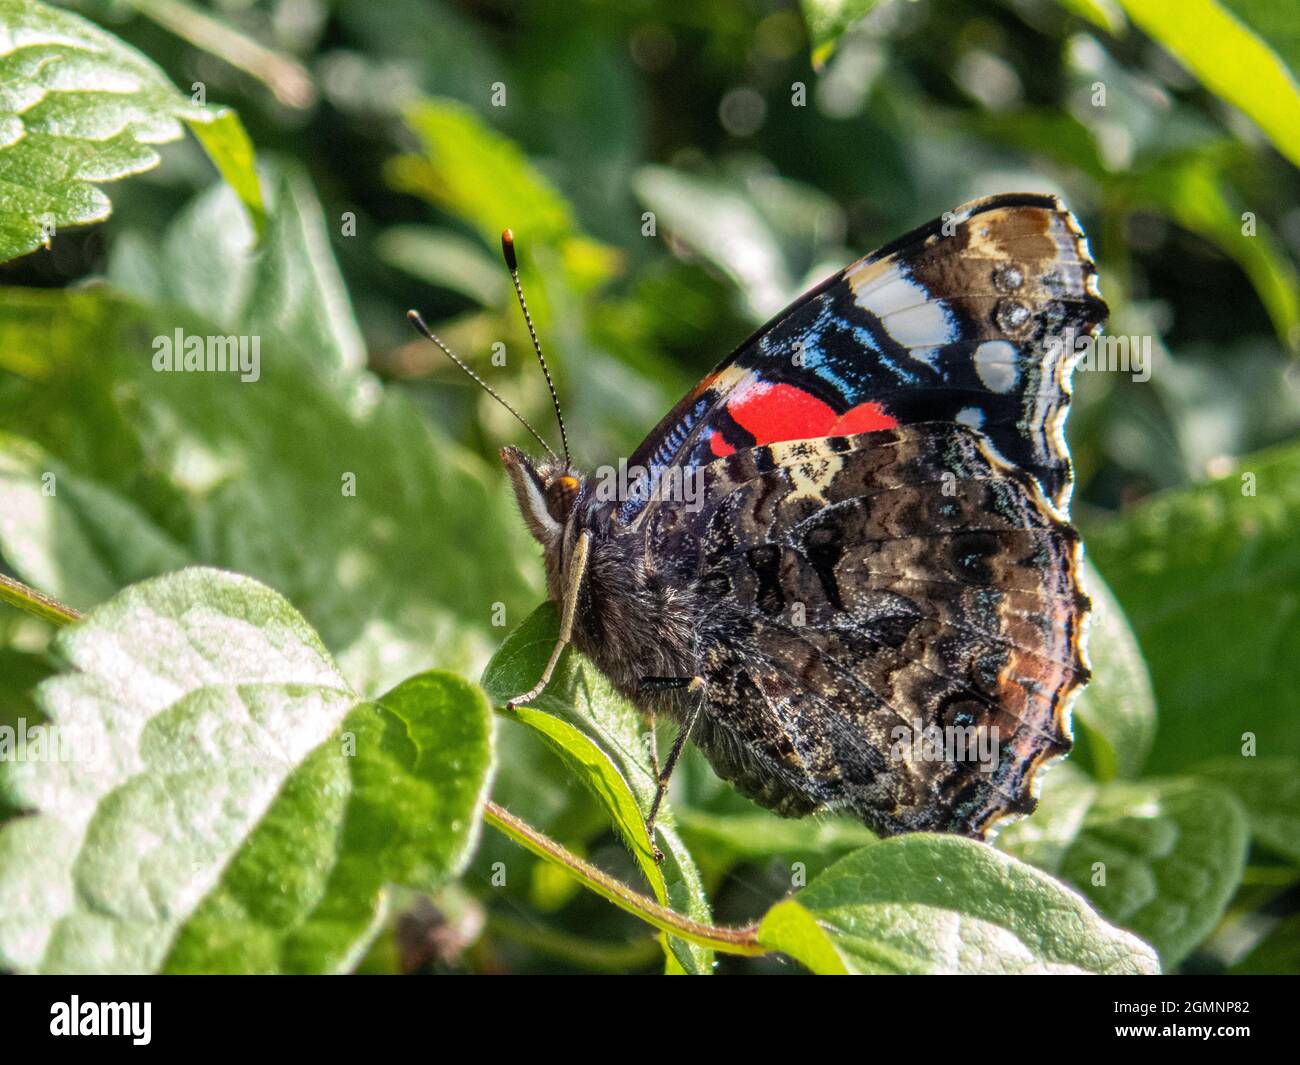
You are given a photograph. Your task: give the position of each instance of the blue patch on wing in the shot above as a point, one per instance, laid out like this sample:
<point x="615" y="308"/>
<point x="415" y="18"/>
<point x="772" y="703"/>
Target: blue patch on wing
<point x="642" y="487"/>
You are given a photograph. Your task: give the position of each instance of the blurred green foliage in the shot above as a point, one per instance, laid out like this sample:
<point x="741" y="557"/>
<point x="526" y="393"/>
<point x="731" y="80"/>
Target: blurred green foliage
<point x="675" y="172"/>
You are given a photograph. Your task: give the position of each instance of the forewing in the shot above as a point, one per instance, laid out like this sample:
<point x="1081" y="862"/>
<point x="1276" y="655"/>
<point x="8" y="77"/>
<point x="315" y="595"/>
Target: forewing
<point x="972" y="319"/>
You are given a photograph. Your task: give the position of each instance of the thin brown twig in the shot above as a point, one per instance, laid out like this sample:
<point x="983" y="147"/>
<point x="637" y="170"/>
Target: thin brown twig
<point x="728" y="940"/>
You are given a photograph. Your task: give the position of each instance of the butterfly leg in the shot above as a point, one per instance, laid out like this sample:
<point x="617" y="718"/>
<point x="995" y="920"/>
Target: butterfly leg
<point x="577" y="569"/>
<point x="651" y="721"/>
<point x="695" y="686"/>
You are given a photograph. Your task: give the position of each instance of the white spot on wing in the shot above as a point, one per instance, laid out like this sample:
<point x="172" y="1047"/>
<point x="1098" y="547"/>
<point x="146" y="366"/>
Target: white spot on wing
<point x="996" y="364"/>
<point x="971" y="416"/>
<point x="910" y="315"/>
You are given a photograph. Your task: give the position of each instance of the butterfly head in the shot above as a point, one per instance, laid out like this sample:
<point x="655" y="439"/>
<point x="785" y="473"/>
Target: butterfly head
<point x="546" y="493"/>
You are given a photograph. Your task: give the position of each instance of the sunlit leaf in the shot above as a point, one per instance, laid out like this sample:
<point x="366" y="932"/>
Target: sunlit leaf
<point x="444" y="259"/>
<point x="352" y="507"/>
<point x="1105" y="14"/>
<point x="1208" y="579"/>
<point x="226" y="141"/>
<point x="716" y="218"/>
<point x="942" y="904"/>
<point x="1161" y="857"/>
<point x="287" y="289"/>
<point x="792" y="930"/>
<point x="1275" y="23"/>
<point x="79" y="108"/>
<point x="1218" y="47"/>
<point x="479" y="175"/>
<point x="226" y="802"/>
<point x="71" y="538"/>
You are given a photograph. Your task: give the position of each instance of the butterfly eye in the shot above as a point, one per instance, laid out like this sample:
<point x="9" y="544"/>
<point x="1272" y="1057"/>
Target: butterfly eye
<point x="560" y="494"/>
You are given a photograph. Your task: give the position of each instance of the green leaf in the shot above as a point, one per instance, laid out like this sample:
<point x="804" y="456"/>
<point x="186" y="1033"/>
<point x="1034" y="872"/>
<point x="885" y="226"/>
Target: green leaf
<point x="295" y="288"/>
<point x="234" y="473"/>
<point x="695" y="209"/>
<point x="1104" y="14"/>
<point x="443" y="259"/>
<point x="789" y="928"/>
<point x="1218" y="49"/>
<point x="1269" y="791"/>
<point x="459" y="148"/>
<point x="1192" y="188"/>
<point x="227" y="143"/>
<point x="485" y="180"/>
<point x="1275" y="23"/>
<point x="605" y="741"/>
<point x="828" y="19"/>
<point x="942" y="904"/>
<point x="79" y="108"/>
<point x="766" y="234"/>
<point x="232" y="805"/>
<point x="1161" y="858"/>
<point x="1208" y="579"/>
<point x="404" y="809"/>
<point x="287" y="291"/>
<point x="1044" y="838"/>
<point x="483" y="177"/>
<point x="71" y="538"/>
<point x="595" y="769"/>
<point x="1115" y="717"/>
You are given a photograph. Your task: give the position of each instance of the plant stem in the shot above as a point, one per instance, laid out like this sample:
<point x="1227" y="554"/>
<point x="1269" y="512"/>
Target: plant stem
<point x="15" y="593"/>
<point x="729" y="940"/>
<point x="282" y="74"/>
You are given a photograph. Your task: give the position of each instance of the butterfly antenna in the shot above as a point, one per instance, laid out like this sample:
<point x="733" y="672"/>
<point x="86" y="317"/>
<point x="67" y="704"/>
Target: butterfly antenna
<point x="428" y="334"/>
<point x="512" y="264"/>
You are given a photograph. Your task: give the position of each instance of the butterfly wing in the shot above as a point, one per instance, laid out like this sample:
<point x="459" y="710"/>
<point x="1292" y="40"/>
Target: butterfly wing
<point x="882" y="555"/>
<point x="969" y="319"/>
<point x="866" y="594"/>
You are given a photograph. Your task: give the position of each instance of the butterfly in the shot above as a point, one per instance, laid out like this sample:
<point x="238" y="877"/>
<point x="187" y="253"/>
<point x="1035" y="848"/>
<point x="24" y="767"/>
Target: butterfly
<point x="843" y="562"/>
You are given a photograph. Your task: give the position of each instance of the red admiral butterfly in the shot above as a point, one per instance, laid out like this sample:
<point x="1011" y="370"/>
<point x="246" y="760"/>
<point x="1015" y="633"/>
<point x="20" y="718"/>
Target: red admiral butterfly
<point x="873" y="601"/>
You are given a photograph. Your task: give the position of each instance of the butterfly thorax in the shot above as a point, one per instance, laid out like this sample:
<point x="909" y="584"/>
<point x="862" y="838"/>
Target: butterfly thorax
<point x="631" y="620"/>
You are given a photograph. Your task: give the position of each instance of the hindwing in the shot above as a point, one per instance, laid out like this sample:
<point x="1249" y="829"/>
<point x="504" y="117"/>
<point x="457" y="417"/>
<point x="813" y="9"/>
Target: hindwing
<point x="863" y="593"/>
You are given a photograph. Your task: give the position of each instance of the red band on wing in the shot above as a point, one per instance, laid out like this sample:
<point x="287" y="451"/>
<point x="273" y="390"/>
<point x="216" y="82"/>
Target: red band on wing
<point x="864" y="418"/>
<point x="719" y="446"/>
<point x="773" y="413"/>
